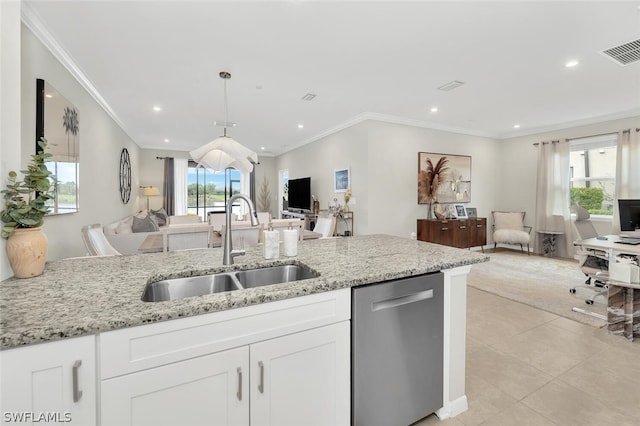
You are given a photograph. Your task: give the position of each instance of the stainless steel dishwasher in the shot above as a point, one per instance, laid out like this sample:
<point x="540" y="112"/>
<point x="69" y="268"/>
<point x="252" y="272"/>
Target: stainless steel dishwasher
<point x="397" y="351"/>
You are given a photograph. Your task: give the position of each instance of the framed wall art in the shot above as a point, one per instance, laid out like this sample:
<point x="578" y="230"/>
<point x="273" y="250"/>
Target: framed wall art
<point x="57" y="121"/>
<point x="445" y="178"/>
<point x="341" y="180"/>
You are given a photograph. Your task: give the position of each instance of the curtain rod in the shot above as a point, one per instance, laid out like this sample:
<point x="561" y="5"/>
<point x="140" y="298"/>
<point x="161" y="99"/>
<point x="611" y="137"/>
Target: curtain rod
<point x="163" y="158"/>
<point x="593" y="136"/>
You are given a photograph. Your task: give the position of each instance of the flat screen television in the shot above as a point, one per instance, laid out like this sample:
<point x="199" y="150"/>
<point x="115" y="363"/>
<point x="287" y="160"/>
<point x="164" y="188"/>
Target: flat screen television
<point x="300" y="193"/>
<point x="629" y="217"/>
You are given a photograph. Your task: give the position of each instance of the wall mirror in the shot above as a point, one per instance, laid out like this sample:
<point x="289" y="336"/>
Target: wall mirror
<point x="57" y="121"/>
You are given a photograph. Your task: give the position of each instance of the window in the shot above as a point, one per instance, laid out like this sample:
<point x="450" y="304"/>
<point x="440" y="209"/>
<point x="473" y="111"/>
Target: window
<point x="209" y="191"/>
<point x="593" y="173"/>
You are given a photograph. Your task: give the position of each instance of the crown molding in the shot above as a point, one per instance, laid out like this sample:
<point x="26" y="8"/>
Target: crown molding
<point x="569" y="124"/>
<point x="33" y="22"/>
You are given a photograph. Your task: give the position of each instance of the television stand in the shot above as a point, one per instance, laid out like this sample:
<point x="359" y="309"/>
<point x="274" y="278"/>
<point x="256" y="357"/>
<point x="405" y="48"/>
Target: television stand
<point x="309" y="218"/>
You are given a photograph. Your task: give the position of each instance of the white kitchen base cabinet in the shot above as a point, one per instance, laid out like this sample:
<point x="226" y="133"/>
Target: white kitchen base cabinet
<point x="50" y="383"/>
<point x="208" y="390"/>
<point x="281" y="363"/>
<point x="302" y="379"/>
<point x="297" y="379"/>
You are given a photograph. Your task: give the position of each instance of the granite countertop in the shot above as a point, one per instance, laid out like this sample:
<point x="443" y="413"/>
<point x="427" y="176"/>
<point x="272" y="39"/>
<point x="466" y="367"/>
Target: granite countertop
<point x="81" y="296"/>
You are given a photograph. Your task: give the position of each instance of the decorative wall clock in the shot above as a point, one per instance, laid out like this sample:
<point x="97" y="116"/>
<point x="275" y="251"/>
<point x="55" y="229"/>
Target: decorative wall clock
<point x="125" y="176"/>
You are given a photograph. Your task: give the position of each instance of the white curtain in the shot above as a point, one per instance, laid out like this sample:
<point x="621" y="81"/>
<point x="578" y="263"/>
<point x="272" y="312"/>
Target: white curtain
<point x="552" y="196"/>
<point x="180" y="171"/>
<point x="627" y="171"/>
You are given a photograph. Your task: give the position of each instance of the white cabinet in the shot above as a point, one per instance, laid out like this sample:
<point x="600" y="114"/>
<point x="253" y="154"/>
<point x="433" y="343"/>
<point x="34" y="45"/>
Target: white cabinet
<point x="208" y="390"/>
<point x="297" y="379"/>
<point x="52" y="383"/>
<point x="302" y="379"/>
<point x="280" y="363"/>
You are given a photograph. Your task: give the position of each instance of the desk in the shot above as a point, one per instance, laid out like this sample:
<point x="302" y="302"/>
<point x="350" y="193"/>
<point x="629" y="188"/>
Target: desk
<point x="623" y="300"/>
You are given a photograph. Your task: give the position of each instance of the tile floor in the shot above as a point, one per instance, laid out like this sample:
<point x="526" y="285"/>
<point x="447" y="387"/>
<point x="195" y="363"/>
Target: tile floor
<point x="526" y="366"/>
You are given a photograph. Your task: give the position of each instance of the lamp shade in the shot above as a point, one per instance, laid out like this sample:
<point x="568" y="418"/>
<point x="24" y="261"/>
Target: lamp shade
<point x="150" y="191"/>
<point x="225" y="152"/>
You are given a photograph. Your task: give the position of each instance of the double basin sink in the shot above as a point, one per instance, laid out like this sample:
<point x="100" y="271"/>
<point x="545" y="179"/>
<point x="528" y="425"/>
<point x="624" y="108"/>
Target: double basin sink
<point x="178" y="288"/>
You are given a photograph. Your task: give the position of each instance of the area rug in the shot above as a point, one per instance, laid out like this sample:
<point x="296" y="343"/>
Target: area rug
<point x="537" y="281"/>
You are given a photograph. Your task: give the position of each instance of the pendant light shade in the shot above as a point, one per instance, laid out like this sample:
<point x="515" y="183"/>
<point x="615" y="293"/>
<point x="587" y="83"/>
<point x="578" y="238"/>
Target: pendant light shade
<point x="225" y="152"/>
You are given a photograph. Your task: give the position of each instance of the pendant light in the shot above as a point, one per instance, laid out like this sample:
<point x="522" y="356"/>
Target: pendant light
<point x="225" y="152"/>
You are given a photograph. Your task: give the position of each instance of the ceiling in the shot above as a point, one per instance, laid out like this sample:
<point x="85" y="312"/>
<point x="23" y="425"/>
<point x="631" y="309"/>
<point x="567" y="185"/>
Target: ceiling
<point x="382" y="60"/>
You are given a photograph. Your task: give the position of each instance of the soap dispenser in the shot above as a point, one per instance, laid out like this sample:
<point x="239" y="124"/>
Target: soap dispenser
<point x="271" y="243"/>
<point x="290" y="241"/>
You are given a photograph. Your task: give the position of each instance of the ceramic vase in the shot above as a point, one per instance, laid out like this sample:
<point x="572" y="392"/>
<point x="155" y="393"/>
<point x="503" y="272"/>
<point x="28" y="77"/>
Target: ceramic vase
<point x="27" y="252"/>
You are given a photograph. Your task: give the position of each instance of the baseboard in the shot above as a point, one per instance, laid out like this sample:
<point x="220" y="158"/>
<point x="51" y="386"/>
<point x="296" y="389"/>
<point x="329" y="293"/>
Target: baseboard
<point x="453" y="408"/>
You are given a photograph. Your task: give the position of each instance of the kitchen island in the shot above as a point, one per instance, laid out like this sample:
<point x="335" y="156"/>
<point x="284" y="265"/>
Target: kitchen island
<point x="93" y="296"/>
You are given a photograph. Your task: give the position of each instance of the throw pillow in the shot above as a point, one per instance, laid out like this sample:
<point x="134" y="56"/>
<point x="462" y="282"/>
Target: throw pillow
<point x="124" y="227"/>
<point x="144" y="225"/>
<point x="161" y="216"/>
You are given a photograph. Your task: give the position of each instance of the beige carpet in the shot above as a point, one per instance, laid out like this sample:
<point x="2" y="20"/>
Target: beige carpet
<point x="537" y="281"/>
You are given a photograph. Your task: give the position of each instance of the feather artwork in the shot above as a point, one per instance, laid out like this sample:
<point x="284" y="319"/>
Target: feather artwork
<point x="429" y="180"/>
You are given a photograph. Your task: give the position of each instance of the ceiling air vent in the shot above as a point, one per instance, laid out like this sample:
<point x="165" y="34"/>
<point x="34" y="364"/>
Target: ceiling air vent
<point x="624" y="54"/>
<point x="451" y="85"/>
<point x="309" y="97"/>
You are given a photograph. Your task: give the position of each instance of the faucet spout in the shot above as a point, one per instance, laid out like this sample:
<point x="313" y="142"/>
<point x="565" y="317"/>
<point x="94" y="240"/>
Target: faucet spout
<point x="229" y="253"/>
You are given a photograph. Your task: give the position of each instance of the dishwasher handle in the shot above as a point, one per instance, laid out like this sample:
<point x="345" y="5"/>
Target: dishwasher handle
<point x="399" y="301"/>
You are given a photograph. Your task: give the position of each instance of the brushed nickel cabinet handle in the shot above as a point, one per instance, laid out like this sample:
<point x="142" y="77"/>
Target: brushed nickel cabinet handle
<point x="239" y="394"/>
<point x="444" y="229"/>
<point x="261" y="384"/>
<point x="77" y="393"/>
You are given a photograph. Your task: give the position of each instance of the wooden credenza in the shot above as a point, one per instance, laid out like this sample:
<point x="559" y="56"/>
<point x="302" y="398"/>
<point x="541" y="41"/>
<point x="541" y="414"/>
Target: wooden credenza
<point x="461" y="233"/>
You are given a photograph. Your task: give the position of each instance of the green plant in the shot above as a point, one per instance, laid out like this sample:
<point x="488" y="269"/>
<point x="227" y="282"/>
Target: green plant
<point x="590" y="198"/>
<point x="26" y="200"/>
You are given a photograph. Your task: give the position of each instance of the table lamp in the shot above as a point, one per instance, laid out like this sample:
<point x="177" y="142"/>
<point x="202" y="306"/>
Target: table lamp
<point x="150" y="191"/>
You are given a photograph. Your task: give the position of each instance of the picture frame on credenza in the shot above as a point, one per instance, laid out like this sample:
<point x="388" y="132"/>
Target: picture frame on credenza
<point x="460" y="212"/>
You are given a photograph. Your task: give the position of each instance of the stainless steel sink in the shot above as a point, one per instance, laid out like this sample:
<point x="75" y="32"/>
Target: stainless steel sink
<point x="274" y="275"/>
<point x="178" y="288"/>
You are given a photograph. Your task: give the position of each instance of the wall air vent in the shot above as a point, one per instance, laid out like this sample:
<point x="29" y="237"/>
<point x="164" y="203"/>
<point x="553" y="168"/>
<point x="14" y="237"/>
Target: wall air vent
<point x="451" y="85"/>
<point x="624" y="54"/>
<point x="309" y="97"/>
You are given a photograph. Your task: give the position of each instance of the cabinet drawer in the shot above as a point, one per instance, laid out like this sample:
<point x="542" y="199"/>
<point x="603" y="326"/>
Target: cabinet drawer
<point x="137" y="348"/>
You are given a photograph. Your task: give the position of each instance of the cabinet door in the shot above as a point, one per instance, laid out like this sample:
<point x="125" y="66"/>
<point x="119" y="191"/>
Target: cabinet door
<point x="51" y="382"/>
<point x="479" y="235"/>
<point x="462" y="233"/>
<point x="302" y="379"/>
<point x="442" y="232"/>
<point x="209" y="390"/>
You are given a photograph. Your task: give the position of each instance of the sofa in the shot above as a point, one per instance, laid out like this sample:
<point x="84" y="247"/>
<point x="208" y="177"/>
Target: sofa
<point x="121" y="236"/>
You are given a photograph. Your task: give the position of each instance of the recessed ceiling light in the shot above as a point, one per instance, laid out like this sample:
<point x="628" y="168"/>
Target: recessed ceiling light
<point x="49" y="95"/>
<point x="300" y="126"/>
<point x="434" y="109"/>
<point x="516" y="126"/>
<point x="262" y="148"/>
<point x="571" y="64"/>
<point x="166" y="140"/>
<point x="157" y="108"/>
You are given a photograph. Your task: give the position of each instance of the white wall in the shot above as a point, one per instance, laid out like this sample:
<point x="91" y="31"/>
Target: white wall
<point x="383" y="158"/>
<point x="101" y="141"/>
<point x="346" y="148"/>
<point x="9" y="103"/>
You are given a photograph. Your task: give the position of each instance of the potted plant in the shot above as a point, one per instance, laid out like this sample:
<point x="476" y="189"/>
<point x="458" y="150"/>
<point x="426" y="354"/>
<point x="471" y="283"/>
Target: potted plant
<point x="23" y="215"/>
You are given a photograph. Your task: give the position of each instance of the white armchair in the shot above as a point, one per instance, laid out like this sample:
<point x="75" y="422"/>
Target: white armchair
<point x="509" y="228"/>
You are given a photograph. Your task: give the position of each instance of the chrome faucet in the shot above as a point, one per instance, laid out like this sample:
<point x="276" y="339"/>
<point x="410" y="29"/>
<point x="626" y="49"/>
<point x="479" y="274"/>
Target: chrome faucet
<point x="229" y="252"/>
